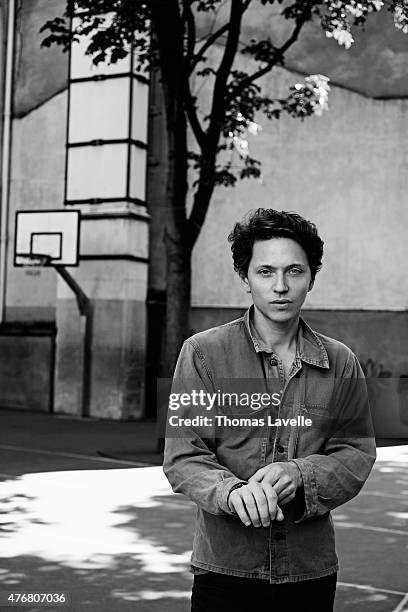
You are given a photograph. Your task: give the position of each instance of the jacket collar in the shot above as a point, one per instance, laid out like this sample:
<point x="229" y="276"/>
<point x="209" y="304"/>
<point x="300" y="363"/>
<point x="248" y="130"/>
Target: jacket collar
<point x="309" y="347"/>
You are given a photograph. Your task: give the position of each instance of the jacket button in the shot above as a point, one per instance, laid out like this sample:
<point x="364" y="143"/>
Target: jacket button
<point x="281" y="449"/>
<point x="279" y="536"/>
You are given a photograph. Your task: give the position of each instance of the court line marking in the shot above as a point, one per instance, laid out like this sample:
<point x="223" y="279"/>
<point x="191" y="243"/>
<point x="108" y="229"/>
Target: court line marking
<point x="369" y="528"/>
<point x="367" y="587"/>
<point x="386" y="495"/>
<point x="73" y="455"/>
<point x="401" y="604"/>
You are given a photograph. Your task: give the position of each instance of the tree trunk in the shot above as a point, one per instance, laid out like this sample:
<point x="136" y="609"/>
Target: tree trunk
<point x="178" y="253"/>
<point x="178" y="301"/>
<point x="156" y="205"/>
<point x="169" y="31"/>
<point x="202" y="196"/>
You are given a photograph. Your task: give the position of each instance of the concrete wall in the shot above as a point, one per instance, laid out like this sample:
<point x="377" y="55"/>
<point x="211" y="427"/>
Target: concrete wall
<point x="346" y="171"/>
<point x="375" y="64"/>
<point x="27" y="367"/>
<point x="38" y="150"/>
<point x="36" y="182"/>
<point x="113" y="266"/>
<point x="118" y="292"/>
<point x="40" y="72"/>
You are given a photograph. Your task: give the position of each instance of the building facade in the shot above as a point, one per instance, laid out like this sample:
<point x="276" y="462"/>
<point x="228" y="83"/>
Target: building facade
<point x="346" y="171"/>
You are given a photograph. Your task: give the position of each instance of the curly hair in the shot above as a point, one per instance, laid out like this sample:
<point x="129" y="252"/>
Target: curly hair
<point x="266" y="223"/>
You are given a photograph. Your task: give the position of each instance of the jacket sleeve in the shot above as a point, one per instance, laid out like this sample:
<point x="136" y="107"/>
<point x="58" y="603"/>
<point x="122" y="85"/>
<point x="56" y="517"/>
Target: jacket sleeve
<point x="190" y="463"/>
<point x="337" y="474"/>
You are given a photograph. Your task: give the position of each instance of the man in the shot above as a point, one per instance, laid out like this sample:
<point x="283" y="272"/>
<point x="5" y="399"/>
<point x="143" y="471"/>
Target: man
<point x="264" y="490"/>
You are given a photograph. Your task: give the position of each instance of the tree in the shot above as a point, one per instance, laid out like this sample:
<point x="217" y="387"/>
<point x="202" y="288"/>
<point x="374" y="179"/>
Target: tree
<point x="164" y="33"/>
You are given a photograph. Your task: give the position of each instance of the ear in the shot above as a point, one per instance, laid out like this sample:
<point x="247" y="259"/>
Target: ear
<point x="311" y="285"/>
<point x="244" y="281"/>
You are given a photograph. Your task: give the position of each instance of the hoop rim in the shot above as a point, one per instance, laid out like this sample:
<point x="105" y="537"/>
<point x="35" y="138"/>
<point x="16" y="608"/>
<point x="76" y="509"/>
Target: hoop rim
<point x="33" y="259"/>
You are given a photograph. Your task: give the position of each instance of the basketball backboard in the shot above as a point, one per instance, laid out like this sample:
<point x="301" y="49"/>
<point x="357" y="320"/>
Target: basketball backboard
<point x="47" y="237"/>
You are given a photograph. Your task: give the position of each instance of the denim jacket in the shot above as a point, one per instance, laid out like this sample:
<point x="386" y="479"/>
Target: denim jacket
<point x="334" y="456"/>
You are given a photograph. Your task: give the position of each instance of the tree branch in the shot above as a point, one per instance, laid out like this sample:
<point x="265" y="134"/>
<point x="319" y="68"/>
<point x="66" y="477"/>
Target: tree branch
<point x="296" y="31"/>
<point x="280" y="51"/>
<point x="191" y="111"/>
<point x="210" y="41"/>
<point x="218" y="108"/>
<point x="188" y="18"/>
<point x="206" y="185"/>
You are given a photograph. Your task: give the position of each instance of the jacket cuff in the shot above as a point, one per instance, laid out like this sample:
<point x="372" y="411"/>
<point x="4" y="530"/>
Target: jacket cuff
<point x="224" y="489"/>
<point x="309" y="489"/>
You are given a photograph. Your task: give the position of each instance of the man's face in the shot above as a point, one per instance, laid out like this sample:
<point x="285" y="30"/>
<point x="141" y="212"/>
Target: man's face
<point x="279" y="278"/>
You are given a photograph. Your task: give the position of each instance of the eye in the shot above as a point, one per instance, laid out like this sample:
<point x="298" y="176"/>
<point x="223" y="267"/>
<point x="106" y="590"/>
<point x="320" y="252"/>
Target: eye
<point x="265" y="272"/>
<point x="295" y="271"/>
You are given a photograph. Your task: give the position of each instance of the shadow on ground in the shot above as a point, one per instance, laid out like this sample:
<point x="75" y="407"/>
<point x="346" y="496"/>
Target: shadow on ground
<point x="119" y="540"/>
<point x="71" y="532"/>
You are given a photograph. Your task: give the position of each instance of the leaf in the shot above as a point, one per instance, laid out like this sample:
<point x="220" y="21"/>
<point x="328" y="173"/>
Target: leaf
<point x="194" y="157"/>
<point x="112" y="25"/>
<point x="261" y="51"/>
<point x="225" y="177"/>
<point x="206" y="5"/>
<point x="251" y="169"/>
<point x="207" y="71"/>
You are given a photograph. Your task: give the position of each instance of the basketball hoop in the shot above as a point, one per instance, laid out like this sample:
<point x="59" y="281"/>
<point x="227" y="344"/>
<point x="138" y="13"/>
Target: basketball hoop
<point x="47" y="238"/>
<point x="50" y="238"/>
<point x="32" y="260"/>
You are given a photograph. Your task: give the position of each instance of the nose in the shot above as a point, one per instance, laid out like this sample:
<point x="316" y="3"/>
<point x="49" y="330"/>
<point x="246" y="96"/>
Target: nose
<point x="280" y="285"/>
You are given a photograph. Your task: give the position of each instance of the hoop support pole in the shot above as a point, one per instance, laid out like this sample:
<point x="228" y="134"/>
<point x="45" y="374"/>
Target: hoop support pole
<point x="86" y="312"/>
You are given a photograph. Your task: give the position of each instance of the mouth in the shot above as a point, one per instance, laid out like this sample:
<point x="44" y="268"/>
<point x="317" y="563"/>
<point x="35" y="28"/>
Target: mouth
<point x="281" y="302"/>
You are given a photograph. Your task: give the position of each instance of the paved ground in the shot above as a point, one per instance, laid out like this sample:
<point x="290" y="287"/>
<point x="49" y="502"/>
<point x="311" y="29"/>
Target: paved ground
<point x="112" y="535"/>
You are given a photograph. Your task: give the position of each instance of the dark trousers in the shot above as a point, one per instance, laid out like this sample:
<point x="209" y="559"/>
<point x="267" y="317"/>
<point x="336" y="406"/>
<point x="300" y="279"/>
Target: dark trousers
<point x="214" y="592"/>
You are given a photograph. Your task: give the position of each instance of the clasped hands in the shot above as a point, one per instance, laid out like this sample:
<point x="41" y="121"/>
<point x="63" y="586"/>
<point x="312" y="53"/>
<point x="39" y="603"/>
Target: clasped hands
<point x="258" y="502"/>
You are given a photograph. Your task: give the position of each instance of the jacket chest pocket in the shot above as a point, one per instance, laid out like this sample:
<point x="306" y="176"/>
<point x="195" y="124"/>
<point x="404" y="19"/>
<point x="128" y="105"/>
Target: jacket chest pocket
<point x="318" y="396"/>
<point x="319" y="423"/>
